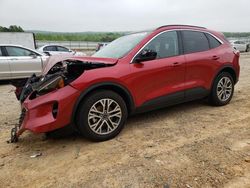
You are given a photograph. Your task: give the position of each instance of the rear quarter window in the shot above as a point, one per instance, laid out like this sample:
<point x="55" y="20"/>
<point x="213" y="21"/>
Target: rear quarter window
<point x="194" y="41"/>
<point x="213" y="42"/>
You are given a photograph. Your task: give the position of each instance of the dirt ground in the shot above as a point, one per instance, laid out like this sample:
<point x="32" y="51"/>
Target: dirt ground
<point x="188" y="145"/>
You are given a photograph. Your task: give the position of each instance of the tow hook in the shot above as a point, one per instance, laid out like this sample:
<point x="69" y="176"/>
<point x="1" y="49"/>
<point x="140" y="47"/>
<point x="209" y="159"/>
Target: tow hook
<point x="14" y="131"/>
<point x="13" y="135"/>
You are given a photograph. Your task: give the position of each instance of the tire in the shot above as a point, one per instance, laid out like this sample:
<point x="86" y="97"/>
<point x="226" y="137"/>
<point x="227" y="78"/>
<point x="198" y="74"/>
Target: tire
<point x="102" y="115"/>
<point x="248" y="49"/>
<point x="221" y="93"/>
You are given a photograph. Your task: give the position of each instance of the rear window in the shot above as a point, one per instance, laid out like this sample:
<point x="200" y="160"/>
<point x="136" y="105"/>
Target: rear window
<point x="194" y="41"/>
<point x="213" y="42"/>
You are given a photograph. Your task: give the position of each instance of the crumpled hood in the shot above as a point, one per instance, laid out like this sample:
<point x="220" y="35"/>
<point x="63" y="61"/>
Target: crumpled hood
<point x="52" y="60"/>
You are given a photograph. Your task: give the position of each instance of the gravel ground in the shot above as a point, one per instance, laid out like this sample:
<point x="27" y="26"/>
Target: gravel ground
<point x="188" y="145"/>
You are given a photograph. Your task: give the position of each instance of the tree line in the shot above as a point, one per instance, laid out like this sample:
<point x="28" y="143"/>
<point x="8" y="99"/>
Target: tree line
<point x="91" y="36"/>
<point x="12" y="28"/>
<point x="236" y="34"/>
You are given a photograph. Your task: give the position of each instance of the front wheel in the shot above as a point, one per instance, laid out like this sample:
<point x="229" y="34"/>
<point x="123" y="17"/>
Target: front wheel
<point x="102" y="115"/>
<point x="222" y="90"/>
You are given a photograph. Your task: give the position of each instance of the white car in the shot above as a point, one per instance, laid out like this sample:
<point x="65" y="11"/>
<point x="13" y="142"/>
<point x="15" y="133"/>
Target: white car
<point x="241" y="46"/>
<point x="57" y="50"/>
<point x="18" y="62"/>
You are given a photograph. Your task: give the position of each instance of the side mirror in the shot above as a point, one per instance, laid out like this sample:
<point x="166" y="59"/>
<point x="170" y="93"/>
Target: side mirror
<point x="33" y="55"/>
<point x="145" y="55"/>
<point x="47" y="53"/>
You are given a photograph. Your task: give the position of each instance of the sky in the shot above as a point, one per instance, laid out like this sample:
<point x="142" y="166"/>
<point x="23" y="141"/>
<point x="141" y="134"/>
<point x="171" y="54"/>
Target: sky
<point x="124" y="15"/>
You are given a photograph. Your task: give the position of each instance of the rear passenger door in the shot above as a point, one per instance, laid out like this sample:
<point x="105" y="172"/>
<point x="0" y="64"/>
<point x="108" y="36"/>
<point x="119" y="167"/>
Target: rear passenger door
<point x="202" y="58"/>
<point x="4" y="66"/>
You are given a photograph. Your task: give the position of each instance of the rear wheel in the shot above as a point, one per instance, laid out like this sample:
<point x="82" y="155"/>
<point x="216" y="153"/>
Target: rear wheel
<point x="102" y="115"/>
<point x="222" y="90"/>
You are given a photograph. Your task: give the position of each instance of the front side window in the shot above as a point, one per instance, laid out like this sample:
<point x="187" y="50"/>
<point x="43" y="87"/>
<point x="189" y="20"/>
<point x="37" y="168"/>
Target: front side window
<point x="16" y="51"/>
<point x="194" y="41"/>
<point x="165" y="45"/>
<point x="49" y="49"/>
<point x="62" y="49"/>
<point x="121" y="46"/>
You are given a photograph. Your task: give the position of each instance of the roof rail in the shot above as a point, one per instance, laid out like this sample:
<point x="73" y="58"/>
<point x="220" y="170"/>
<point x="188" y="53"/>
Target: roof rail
<point x="180" y="25"/>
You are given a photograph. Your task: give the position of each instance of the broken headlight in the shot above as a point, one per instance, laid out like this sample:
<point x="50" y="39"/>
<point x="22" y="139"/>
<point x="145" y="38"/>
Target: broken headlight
<point x="50" y="84"/>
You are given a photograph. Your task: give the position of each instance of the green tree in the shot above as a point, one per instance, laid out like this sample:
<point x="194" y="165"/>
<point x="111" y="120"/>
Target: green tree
<point x="12" y="28"/>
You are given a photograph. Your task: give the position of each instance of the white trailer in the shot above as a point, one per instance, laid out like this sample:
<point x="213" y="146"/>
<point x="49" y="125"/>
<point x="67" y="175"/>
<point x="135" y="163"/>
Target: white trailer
<point x="18" y="38"/>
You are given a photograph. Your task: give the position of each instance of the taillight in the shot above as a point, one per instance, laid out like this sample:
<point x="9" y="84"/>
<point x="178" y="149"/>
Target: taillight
<point x="236" y="52"/>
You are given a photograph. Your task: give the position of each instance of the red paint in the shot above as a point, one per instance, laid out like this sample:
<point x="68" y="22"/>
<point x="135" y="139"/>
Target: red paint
<point x="145" y="81"/>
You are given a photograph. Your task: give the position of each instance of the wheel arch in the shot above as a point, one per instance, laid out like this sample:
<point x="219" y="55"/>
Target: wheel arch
<point x="230" y="70"/>
<point x="119" y="89"/>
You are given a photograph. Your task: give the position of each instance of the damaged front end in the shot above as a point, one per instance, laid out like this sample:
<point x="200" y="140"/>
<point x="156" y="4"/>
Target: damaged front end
<point x="56" y="97"/>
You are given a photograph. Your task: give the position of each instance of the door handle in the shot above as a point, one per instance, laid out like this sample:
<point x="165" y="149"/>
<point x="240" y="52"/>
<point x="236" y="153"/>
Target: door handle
<point x="215" y="57"/>
<point x="175" y="64"/>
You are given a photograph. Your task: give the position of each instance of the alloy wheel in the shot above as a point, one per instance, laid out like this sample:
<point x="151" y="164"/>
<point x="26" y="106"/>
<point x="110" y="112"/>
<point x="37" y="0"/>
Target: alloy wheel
<point x="104" y="116"/>
<point x="224" y="89"/>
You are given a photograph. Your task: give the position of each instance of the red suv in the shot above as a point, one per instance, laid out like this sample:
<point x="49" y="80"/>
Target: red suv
<point x="135" y="73"/>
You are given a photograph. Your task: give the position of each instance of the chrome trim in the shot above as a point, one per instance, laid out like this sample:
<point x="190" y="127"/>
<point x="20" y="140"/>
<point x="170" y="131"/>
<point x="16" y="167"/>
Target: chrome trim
<point x="174" y="30"/>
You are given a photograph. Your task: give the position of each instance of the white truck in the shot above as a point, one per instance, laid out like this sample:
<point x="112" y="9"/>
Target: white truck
<point x="25" y="39"/>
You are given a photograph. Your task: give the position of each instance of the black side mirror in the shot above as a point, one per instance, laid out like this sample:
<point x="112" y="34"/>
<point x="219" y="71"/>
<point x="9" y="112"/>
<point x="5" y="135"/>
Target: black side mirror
<point x="145" y="55"/>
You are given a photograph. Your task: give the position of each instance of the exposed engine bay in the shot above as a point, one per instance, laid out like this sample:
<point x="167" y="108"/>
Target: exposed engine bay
<point x="60" y="75"/>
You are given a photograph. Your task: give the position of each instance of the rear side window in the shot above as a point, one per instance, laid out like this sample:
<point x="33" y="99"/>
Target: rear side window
<point x="194" y="41"/>
<point x="62" y="49"/>
<point x="213" y="42"/>
<point x="49" y="48"/>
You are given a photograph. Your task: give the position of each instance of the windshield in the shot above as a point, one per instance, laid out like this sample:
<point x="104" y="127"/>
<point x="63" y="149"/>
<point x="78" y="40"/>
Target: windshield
<point x="121" y="46"/>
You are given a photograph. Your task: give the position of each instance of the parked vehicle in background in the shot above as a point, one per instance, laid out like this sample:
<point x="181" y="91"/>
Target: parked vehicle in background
<point x="241" y="45"/>
<point x="57" y="49"/>
<point x="18" y="38"/>
<point x="134" y="73"/>
<point x="19" y="62"/>
<point x="100" y="46"/>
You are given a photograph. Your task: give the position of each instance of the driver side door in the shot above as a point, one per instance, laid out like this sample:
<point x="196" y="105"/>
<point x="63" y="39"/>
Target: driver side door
<point x="160" y="82"/>
<point x="23" y="62"/>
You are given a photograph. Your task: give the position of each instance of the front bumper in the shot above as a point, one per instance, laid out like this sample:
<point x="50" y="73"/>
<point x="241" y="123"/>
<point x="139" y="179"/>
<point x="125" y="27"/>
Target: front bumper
<point x="48" y="112"/>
